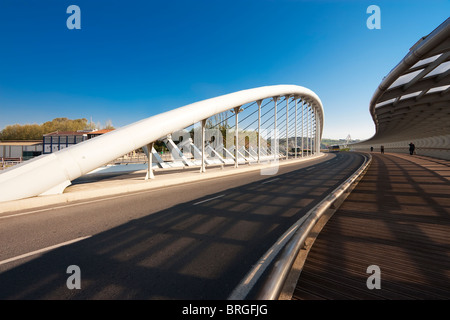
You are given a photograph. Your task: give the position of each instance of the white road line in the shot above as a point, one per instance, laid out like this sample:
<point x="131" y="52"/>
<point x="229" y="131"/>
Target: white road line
<point x="42" y="250"/>
<point x="82" y="203"/>
<point x="310" y="168"/>
<point x="270" y="181"/>
<point x="208" y="199"/>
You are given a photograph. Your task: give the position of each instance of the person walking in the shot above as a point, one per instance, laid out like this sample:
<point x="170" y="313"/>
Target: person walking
<point x="412" y="147"/>
<point x="382" y="149"/>
<point x="371" y="149"/>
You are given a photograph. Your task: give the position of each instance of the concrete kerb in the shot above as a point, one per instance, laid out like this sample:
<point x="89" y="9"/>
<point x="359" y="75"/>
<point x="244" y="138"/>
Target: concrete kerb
<point x="158" y="182"/>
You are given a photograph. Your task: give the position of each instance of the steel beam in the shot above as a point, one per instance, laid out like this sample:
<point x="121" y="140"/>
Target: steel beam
<point x="150" y="174"/>
<point x="287" y="126"/>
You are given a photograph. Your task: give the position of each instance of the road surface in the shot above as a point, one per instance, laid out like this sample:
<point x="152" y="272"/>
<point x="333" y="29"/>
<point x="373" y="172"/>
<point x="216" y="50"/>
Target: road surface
<point x="193" y="241"/>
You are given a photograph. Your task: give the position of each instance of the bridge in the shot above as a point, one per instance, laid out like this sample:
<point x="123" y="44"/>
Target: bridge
<point x="247" y="206"/>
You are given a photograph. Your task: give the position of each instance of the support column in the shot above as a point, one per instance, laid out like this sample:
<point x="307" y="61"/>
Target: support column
<point x="236" y="145"/>
<point x="150" y="174"/>
<point x="287" y="127"/>
<point x="273" y="145"/>
<point x="311" y="132"/>
<point x="320" y="132"/>
<point x="296" y="146"/>
<point x="317" y="132"/>
<point x="203" y="167"/>
<point x="303" y="123"/>
<point x="307" y="129"/>
<point x="259" y="130"/>
<point x="314" y="146"/>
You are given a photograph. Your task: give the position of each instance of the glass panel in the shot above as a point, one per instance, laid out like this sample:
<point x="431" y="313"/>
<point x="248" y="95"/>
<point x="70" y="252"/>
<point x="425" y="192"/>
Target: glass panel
<point x="438" y="89"/>
<point x="426" y="61"/>
<point x="443" y="67"/>
<point x="405" y="79"/>
<point x="410" y="95"/>
<point x="384" y="102"/>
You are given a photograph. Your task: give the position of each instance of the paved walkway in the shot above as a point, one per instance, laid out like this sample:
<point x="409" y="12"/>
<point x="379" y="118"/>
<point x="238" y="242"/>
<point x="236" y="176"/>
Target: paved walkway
<point x="398" y="219"/>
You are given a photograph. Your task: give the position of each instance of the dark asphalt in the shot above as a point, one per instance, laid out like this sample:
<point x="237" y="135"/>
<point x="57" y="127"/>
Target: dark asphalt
<point x="168" y="243"/>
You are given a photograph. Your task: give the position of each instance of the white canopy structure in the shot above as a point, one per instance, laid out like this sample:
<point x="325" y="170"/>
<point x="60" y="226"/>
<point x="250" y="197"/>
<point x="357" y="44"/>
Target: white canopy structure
<point x="52" y="173"/>
<point x="412" y="102"/>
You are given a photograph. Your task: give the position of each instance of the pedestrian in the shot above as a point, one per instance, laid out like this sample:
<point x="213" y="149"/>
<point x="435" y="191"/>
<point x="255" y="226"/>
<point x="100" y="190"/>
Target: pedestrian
<point x="412" y="147"/>
<point x="371" y="149"/>
<point x="382" y="149"/>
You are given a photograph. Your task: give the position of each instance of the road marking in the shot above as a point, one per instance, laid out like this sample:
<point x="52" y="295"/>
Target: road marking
<point x="208" y="199"/>
<point x="310" y="168"/>
<point x="270" y="181"/>
<point x="42" y="250"/>
<point x="106" y="198"/>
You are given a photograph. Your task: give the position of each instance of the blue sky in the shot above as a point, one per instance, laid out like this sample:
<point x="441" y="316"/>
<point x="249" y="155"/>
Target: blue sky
<point x="134" y="59"/>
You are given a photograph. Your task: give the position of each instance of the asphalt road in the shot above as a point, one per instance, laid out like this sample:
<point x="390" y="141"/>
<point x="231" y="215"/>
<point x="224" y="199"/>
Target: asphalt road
<point x="195" y="241"/>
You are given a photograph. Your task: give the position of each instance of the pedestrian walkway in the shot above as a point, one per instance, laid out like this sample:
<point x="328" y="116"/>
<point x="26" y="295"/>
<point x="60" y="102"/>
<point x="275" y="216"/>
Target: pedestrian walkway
<point x="397" y="219"/>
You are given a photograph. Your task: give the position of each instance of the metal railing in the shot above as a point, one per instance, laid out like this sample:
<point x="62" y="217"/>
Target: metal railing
<point x="273" y="285"/>
<point x="9" y="162"/>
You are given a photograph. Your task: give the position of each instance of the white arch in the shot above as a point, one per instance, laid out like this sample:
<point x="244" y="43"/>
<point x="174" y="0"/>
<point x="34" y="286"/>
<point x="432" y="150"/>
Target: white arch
<point x="51" y="173"/>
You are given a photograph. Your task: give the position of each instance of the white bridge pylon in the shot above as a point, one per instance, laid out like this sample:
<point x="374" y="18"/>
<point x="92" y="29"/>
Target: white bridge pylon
<point x="277" y="131"/>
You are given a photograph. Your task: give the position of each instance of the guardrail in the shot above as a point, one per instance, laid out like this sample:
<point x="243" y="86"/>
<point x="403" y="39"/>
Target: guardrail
<point x="9" y="162"/>
<point x="435" y="152"/>
<point x="274" y="282"/>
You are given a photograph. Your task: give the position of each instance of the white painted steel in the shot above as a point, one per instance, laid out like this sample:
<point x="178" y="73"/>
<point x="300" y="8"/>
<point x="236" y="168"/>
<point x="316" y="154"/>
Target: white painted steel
<point x="56" y="171"/>
<point x="287" y="127"/>
<point x="296" y="144"/>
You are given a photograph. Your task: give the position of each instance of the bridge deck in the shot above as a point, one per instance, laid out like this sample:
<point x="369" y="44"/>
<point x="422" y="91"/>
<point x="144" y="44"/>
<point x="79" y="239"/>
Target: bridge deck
<point x="398" y="218"/>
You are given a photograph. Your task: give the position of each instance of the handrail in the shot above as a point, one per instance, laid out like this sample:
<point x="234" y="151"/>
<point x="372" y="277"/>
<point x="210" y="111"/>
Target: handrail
<point x="274" y="283"/>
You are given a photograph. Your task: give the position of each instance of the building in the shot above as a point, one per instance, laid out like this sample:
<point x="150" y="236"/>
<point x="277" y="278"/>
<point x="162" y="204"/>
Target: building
<point x="59" y="140"/>
<point x="20" y="150"/>
<point x="97" y="133"/>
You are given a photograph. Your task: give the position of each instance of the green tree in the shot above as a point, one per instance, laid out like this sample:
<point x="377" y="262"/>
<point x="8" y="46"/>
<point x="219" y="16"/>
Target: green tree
<point x="35" y="131"/>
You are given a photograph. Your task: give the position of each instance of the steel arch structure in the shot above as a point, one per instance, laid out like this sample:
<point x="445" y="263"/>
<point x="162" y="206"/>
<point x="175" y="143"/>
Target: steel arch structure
<point x="412" y="102"/>
<point x="52" y="173"/>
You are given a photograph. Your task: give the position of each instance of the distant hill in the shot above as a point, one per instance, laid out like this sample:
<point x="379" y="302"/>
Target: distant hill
<point x="333" y="142"/>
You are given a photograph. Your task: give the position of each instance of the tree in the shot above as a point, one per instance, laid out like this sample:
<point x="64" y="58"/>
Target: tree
<point x="108" y="124"/>
<point x="35" y="131"/>
<point x="19" y="132"/>
<point x="64" y="124"/>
